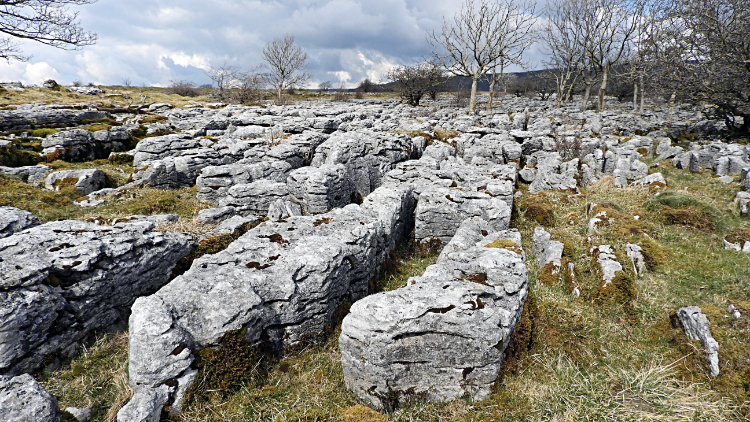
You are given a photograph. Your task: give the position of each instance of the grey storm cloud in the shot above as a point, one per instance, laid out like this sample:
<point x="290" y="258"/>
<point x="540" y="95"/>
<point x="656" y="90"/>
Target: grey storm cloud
<point x="153" y="43"/>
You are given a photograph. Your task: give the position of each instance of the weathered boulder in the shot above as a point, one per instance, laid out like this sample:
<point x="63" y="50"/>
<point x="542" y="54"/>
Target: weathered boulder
<point x="13" y="220"/>
<point x="545" y="249"/>
<point x="84" y="145"/>
<point x="322" y="188"/>
<point x="697" y="327"/>
<point x="553" y="173"/>
<point x="255" y="198"/>
<point x="275" y="164"/>
<point x="216" y="215"/>
<point x="86" y="181"/>
<point x="284" y="282"/>
<point x="443" y="335"/>
<point x="61" y="281"/>
<point x="29" y="174"/>
<point x="367" y="156"/>
<point x="440" y="211"/>
<point x="23" y="399"/>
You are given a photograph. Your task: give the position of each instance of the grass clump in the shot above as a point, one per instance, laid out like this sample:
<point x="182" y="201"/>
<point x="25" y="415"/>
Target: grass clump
<point x="96" y="379"/>
<point x="680" y="209"/>
<point x="14" y="156"/>
<point x="407" y="260"/>
<point x="740" y="235"/>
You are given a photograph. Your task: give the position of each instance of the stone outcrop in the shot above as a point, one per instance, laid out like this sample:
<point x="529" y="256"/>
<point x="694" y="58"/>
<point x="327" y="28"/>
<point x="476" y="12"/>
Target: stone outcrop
<point x="443" y="335"/>
<point x="61" y="281"/>
<point x="283" y="282"/>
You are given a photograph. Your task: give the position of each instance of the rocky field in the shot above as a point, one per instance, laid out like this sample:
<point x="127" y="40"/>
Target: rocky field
<point x="368" y="260"/>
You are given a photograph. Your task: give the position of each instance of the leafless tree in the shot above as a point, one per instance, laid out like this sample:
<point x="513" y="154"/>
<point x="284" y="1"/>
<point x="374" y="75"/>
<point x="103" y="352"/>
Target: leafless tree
<point x="414" y="82"/>
<point x="703" y="51"/>
<point x="247" y="86"/>
<point x="325" y="86"/>
<point x="562" y="40"/>
<point x="46" y="21"/>
<point x="183" y="88"/>
<point x="586" y="38"/>
<point x="223" y="77"/>
<point x="286" y="64"/>
<point x="479" y="37"/>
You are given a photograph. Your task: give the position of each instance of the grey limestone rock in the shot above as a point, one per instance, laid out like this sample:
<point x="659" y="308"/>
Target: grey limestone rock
<point x="87" y="181"/>
<point x="367" y="156"/>
<point x="282" y="209"/>
<point x="13" y="220"/>
<point x="233" y="224"/>
<point x="440" y="212"/>
<point x="23" y="399"/>
<point x="29" y="174"/>
<point x="553" y="173"/>
<point x="650" y="180"/>
<point x="216" y="215"/>
<point x="605" y="257"/>
<point x="82" y="415"/>
<point x="697" y="327"/>
<point x="442" y="336"/>
<point x="255" y="198"/>
<point x="322" y="188"/>
<point x="63" y="280"/>
<point x="285" y="282"/>
<point x="41" y="115"/>
<point x="635" y="253"/>
<point x="84" y="145"/>
<point x="144" y="406"/>
<point x="545" y="249"/>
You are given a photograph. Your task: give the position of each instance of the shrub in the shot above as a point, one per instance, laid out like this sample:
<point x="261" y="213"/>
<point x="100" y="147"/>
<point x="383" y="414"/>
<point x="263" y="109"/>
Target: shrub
<point x="183" y="88"/>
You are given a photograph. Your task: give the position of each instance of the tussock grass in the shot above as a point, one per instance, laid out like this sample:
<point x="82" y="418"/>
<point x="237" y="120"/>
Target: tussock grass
<point x="96" y="379"/>
<point x="59" y="205"/>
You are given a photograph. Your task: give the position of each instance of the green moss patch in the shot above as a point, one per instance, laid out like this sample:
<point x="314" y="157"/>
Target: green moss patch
<point x="538" y="208"/>
<point x="505" y="244"/>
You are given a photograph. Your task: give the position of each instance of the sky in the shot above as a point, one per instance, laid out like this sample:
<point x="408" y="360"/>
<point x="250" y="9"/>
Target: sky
<point x="151" y="43"/>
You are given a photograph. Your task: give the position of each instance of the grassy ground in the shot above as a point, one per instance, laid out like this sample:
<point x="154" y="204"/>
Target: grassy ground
<point x="152" y="94"/>
<point x="597" y="357"/>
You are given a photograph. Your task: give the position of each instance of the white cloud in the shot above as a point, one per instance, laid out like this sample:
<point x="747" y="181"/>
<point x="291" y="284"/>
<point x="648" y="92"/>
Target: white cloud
<point x="155" y="42"/>
<point x="37" y="73"/>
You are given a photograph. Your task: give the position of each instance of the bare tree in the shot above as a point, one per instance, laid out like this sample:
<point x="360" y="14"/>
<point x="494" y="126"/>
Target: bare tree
<point x="223" y="77"/>
<point x="611" y="25"/>
<point x="703" y="51"/>
<point x="325" y="86"/>
<point x="414" y="82"/>
<point x="516" y="34"/>
<point x="286" y="64"/>
<point x="562" y="41"/>
<point x="46" y="21"/>
<point x="478" y="38"/>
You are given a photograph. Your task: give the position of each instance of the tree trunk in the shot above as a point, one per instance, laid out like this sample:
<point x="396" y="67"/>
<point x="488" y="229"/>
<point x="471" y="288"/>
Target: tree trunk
<point x="586" y="95"/>
<point x="643" y="97"/>
<point x="473" y="100"/>
<point x="602" y="89"/>
<point x="569" y="94"/>
<point x="492" y="91"/>
<point x="670" y="113"/>
<point x="635" y="96"/>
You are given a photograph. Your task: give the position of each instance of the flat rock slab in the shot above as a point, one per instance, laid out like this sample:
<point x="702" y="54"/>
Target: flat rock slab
<point x="444" y="334"/>
<point x="61" y="281"/>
